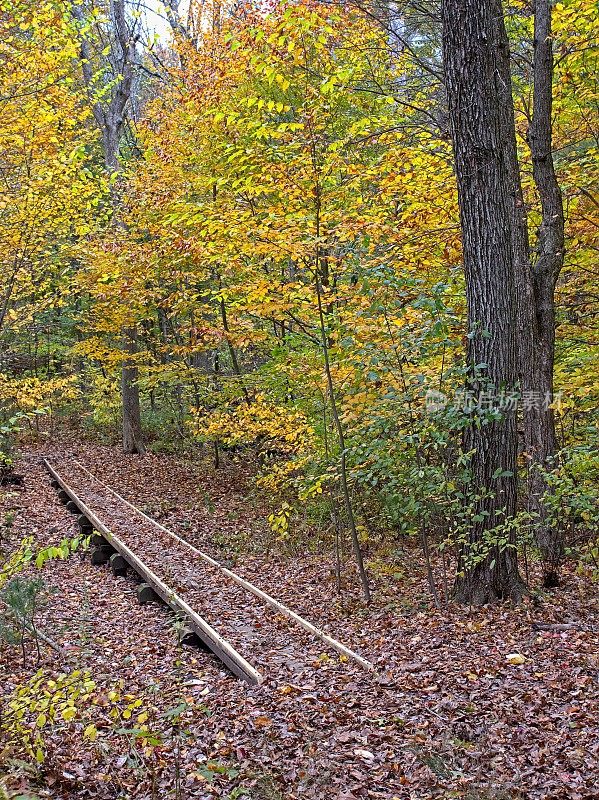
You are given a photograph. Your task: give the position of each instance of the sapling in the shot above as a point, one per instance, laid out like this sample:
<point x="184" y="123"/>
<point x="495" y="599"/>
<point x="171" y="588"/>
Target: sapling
<point x="22" y="598"/>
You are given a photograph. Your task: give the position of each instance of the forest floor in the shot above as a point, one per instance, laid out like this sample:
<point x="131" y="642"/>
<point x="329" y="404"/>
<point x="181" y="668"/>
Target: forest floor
<point x="446" y="714"/>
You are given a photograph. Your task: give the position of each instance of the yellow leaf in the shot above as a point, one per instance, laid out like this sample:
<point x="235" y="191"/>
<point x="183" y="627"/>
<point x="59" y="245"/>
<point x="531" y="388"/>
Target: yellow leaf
<point x="91" y="733"/>
<point x="516" y="658"/>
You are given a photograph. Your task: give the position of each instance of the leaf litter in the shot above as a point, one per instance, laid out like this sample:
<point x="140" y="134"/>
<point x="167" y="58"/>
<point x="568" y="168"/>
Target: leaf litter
<point x="479" y="705"/>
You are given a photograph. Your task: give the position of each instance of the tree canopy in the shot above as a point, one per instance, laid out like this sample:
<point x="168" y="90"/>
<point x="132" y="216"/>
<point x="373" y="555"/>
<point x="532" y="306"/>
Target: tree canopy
<point x="281" y="242"/>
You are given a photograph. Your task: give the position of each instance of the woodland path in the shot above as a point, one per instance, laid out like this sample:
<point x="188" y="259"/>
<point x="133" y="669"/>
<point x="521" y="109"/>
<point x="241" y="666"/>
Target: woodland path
<point x="444" y="715"/>
<point x="264" y="637"/>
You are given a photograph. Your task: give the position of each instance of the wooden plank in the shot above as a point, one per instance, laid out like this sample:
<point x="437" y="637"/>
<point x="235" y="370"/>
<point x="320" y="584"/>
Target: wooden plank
<point x="219" y="646"/>
<point x="250" y="587"/>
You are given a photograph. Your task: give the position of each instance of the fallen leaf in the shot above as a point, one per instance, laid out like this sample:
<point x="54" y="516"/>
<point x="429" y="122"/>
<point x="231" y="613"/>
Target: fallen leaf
<point x="516" y="658"/>
<point x="365" y="754"/>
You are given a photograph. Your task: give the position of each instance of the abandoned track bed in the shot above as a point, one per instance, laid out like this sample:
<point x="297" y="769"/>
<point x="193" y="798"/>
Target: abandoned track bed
<point x="246" y="628"/>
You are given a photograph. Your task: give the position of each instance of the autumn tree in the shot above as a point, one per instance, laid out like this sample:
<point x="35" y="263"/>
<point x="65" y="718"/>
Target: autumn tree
<point x="536" y="270"/>
<point x="278" y="182"/>
<point x="109" y="75"/>
<point x="50" y="191"/>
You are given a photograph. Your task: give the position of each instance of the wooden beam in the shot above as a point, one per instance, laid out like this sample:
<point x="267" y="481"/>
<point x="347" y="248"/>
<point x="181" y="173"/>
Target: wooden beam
<point x="118" y="565"/>
<point x="219" y="646"/>
<point x="101" y="555"/>
<point x="145" y="594"/>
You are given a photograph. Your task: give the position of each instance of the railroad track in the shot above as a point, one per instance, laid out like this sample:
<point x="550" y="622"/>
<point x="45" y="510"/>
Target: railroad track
<point x="247" y="629"/>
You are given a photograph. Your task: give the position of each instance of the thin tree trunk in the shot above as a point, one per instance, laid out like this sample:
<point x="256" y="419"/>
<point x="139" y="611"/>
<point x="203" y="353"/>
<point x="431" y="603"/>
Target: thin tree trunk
<point x="232" y="352"/>
<point x="110" y="114"/>
<point x="343" y="459"/>
<point x="473" y="41"/>
<point x="132" y="433"/>
<point x="320" y="266"/>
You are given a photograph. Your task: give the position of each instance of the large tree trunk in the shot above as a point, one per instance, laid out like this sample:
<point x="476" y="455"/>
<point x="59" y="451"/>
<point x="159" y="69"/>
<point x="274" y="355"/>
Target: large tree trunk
<point x="474" y="41"/>
<point x="539" y="423"/>
<point x="536" y="284"/>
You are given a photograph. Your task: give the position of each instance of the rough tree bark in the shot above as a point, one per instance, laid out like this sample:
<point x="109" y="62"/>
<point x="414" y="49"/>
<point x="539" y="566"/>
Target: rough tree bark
<point x="110" y="115"/>
<point x="536" y="278"/>
<point x="539" y="423"/>
<point x="473" y="41"/>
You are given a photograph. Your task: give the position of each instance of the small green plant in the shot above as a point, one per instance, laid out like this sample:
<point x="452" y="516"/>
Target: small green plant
<point x="9" y="429"/>
<point x="572" y="504"/>
<point x="212" y="770"/>
<point x="41" y="703"/>
<point x="238" y="792"/>
<point x="62" y="550"/>
<point x="17" y="561"/>
<point x="26" y="553"/>
<point x="9" y="518"/>
<point x="572" y="497"/>
<point x="22" y="598"/>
